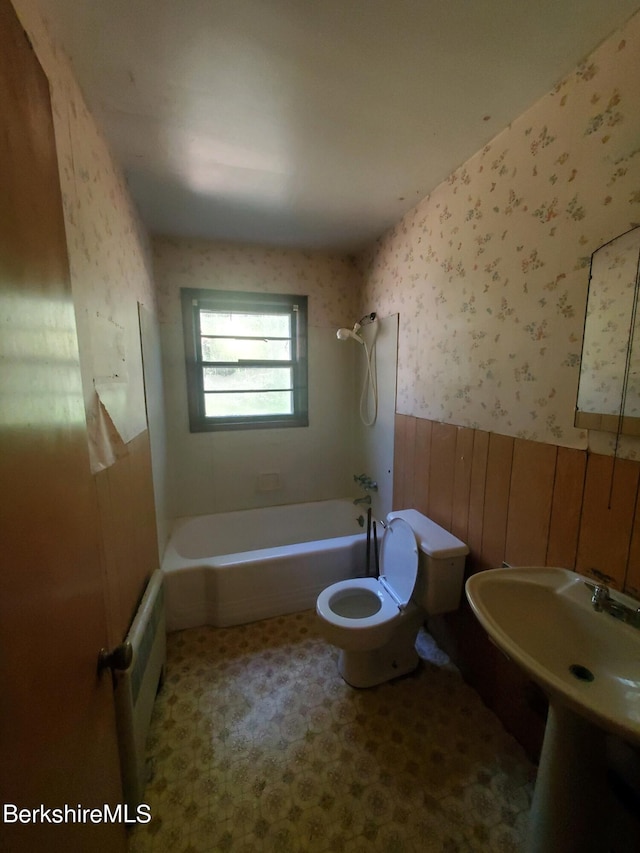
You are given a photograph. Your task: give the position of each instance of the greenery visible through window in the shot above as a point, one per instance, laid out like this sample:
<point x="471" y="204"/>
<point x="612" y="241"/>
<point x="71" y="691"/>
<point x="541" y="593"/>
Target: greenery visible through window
<point x="246" y="359"/>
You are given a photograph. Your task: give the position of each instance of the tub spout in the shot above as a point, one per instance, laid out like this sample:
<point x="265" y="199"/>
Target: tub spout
<point x="366" y="500"/>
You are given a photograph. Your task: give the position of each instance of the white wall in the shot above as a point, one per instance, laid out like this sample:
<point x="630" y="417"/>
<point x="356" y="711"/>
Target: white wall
<point x="219" y="471"/>
<point x="373" y="445"/>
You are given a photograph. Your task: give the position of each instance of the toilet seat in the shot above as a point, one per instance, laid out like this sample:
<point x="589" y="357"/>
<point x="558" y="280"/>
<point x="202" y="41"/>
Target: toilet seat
<point x="364" y="586"/>
<point x="399" y="561"/>
<point x="393" y="589"/>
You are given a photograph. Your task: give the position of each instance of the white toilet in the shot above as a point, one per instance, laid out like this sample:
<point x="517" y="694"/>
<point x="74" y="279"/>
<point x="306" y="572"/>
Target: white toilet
<point x="375" y="621"/>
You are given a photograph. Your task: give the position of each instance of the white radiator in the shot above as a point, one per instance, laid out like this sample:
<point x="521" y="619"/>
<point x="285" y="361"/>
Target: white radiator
<point x="136" y="688"/>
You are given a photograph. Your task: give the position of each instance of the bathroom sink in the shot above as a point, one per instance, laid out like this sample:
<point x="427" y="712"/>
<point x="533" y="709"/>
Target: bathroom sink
<point x="543" y="619"/>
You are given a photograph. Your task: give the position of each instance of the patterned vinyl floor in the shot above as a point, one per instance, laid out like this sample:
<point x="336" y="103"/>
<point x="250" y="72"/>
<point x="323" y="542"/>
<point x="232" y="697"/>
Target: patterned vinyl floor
<point x="258" y="745"/>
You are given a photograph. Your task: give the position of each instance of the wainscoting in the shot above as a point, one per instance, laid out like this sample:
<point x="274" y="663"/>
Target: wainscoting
<point x="128" y="532"/>
<point x="524" y="503"/>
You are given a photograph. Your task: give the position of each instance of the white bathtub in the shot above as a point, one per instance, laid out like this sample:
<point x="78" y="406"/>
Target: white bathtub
<point x="236" y="567"/>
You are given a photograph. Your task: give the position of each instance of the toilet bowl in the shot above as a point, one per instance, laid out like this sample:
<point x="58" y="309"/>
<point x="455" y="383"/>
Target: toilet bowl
<point x="374" y="621"/>
<point x="358" y="615"/>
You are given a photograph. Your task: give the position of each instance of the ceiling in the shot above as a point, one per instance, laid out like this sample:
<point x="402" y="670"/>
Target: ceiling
<point x="311" y="123"/>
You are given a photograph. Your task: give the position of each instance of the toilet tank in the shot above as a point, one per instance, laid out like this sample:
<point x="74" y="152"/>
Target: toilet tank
<point x="440" y="565"/>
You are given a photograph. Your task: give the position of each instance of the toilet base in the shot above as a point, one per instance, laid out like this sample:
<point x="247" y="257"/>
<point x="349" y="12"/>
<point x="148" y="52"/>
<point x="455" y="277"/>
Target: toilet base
<point x="364" y="669"/>
<point x="398" y="657"/>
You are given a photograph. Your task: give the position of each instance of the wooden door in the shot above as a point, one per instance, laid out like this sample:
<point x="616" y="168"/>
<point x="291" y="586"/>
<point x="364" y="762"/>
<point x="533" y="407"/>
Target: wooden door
<point x="57" y="731"/>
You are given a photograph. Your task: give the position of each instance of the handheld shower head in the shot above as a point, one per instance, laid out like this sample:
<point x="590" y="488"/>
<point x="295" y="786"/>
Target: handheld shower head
<point x="345" y="334"/>
<point x="369" y="393"/>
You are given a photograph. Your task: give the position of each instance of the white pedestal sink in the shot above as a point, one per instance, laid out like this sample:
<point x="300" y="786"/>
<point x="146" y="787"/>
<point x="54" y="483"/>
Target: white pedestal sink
<point x="588" y="663"/>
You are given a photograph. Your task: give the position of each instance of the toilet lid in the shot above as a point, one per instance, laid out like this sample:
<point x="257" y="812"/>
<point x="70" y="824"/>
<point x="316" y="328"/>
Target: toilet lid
<point x="399" y="560"/>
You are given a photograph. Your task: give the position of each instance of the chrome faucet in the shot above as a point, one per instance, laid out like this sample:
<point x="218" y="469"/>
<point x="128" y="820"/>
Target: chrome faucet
<point x="600" y="596"/>
<point x="603" y="602"/>
<point x="366" y="499"/>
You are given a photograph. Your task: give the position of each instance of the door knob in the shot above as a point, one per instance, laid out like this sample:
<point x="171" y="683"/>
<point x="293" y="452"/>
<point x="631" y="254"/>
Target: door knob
<point x="118" y="658"/>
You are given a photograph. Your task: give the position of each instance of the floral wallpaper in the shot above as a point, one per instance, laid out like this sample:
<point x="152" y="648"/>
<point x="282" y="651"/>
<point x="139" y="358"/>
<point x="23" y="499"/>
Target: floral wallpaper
<point x="109" y="257"/>
<point x="489" y="273"/>
<point x="331" y="281"/>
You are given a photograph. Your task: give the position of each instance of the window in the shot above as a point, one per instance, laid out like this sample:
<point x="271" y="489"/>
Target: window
<point x="246" y="359"/>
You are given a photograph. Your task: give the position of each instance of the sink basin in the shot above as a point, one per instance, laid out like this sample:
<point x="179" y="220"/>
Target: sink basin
<point x="588" y="663"/>
<point x="543" y="619"/>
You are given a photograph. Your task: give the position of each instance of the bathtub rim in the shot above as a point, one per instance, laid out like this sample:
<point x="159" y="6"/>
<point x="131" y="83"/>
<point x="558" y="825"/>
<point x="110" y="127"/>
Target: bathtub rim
<point x="172" y="556"/>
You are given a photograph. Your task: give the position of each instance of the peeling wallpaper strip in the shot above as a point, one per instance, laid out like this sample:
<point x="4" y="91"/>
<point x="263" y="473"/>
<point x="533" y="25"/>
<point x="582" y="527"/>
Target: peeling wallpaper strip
<point x="105" y="442"/>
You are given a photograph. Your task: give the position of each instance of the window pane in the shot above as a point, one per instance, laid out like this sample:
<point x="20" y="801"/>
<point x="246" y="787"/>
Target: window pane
<point x="238" y="323"/>
<point x="233" y="349"/>
<point x="260" y="403"/>
<point x="246" y="356"/>
<point x="247" y="378"/>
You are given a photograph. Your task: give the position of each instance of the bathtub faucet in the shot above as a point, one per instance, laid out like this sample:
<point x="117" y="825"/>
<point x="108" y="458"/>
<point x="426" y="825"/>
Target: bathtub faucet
<point x="364" y="500"/>
<point x="366" y="482"/>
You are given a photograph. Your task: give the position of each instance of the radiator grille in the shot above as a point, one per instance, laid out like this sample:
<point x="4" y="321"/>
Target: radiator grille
<point x="136" y="688"/>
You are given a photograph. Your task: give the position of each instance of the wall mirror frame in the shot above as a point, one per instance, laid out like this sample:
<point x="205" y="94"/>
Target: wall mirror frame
<point x="609" y="385"/>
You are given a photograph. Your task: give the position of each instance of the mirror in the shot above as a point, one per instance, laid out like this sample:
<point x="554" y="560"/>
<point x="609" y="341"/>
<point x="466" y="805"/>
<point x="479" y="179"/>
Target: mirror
<point x="609" y="388"/>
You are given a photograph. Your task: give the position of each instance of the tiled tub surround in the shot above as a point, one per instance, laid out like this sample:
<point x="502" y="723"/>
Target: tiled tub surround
<point x="257" y="744"/>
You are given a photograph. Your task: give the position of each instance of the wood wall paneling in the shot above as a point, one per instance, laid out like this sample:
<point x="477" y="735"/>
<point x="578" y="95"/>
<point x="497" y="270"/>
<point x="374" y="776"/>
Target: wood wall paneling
<point x="400" y="460"/>
<point x="108" y="555"/>
<point x="476" y="498"/>
<point x="632" y="578"/>
<point x="521" y="501"/>
<point x="123" y="523"/>
<point x="530" y="494"/>
<point x="129" y="542"/>
<point x="566" y="508"/>
<point x="526" y="503"/>
<point x="496" y="499"/>
<point x="519" y="703"/>
<point x="608" y="510"/>
<point x="441" y="468"/>
<point x="146" y="539"/>
<point x="420" y="464"/>
<point x="462" y="483"/>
